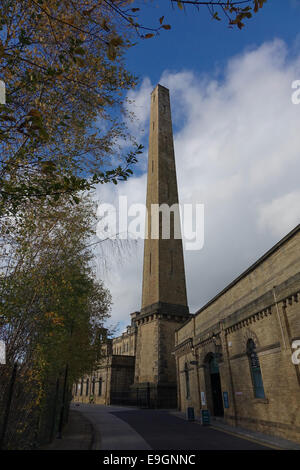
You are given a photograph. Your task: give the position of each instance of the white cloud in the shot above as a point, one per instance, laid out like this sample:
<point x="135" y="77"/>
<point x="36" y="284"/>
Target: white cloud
<point x="237" y="151"/>
<point x="281" y="214"/>
<point x="138" y="105"/>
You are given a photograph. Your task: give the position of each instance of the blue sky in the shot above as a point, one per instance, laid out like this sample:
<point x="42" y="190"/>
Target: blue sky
<point x="199" y="43"/>
<point x="237" y="143"/>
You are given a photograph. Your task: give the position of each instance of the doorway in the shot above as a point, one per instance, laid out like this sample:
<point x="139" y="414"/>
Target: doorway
<point x="216" y="390"/>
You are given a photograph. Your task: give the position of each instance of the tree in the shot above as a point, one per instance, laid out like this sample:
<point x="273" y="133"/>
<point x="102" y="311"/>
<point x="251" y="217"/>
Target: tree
<point x="62" y="65"/>
<point x="52" y="309"/>
<point x="62" y="128"/>
<point x="234" y="11"/>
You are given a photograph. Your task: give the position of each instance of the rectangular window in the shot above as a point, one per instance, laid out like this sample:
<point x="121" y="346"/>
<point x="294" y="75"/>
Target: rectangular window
<point x="100" y="387"/>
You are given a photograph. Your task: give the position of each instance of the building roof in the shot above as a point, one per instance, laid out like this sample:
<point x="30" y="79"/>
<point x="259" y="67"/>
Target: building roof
<point x="252" y="267"/>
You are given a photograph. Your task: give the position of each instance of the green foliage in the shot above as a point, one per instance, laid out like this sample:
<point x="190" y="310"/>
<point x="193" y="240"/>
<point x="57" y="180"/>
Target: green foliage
<point x="65" y="82"/>
<point x="52" y="308"/>
<point x="62" y="63"/>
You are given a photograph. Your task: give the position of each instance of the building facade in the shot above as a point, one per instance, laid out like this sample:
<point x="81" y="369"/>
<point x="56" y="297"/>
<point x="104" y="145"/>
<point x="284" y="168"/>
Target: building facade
<point x="110" y="383"/>
<point x="235" y="356"/>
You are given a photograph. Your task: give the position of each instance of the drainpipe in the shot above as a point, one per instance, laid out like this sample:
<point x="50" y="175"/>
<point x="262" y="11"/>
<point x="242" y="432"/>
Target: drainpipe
<point x="278" y="316"/>
<point x="224" y="340"/>
<point x="197" y="378"/>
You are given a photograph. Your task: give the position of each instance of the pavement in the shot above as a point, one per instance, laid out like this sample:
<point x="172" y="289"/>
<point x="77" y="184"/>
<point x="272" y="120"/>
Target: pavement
<point x="100" y="427"/>
<point x="78" y="434"/>
<point x="110" y="431"/>
<point x="272" y="442"/>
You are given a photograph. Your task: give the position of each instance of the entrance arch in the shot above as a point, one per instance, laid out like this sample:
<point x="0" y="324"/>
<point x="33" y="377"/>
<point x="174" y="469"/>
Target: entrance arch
<point x="215" y="386"/>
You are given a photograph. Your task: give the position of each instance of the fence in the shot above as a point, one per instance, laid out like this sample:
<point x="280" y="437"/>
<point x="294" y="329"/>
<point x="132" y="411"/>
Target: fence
<point x="23" y="423"/>
<point x="146" y="396"/>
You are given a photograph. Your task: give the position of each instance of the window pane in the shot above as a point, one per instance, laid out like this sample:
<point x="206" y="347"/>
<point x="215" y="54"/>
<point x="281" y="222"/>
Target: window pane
<point x="258" y="383"/>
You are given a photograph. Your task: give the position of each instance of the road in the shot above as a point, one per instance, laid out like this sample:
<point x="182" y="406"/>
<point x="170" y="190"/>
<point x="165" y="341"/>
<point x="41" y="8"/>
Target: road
<point x="120" y="428"/>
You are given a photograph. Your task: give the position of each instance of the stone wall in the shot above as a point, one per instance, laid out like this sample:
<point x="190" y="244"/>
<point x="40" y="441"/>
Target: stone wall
<point x="112" y="380"/>
<point x="125" y="344"/>
<point x="248" y="309"/>
<point x="146" y="369"/>
<point x="84" y="389"/>
<point x="274" y="269"/>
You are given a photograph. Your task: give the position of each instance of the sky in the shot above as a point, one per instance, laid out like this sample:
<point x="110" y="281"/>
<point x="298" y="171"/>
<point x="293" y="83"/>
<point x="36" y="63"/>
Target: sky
<point x="237" y="145"/>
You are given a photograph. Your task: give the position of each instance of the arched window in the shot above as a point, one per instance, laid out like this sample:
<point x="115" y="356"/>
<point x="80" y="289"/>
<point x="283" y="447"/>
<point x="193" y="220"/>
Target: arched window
<point x="81" y="387"/>
<point x="93" y="386"/>
<point x="87" y="387"/>
<point x="213" y="365"/>
<point x="187" y="381"/>
<point x="100" y="387"/>
<point x="258" y="386"/>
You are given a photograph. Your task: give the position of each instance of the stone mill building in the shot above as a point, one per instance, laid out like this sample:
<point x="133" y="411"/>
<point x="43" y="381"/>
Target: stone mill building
<point x="236" y="356"/>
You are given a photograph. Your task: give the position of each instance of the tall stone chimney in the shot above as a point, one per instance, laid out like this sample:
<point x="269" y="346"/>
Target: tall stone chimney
<point x="164" y="300"/>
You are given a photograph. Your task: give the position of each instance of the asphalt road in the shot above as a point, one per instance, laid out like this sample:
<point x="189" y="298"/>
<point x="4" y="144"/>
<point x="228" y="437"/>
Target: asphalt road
<point x="164" y="431"/>
<point x="120" y="428"/>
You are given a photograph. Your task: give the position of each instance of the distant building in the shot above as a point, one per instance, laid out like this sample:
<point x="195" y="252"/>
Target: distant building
<point x="111" y="382"/>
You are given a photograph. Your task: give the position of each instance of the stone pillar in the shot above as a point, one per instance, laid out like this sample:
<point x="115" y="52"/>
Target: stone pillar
<point x="231" y="411"/>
